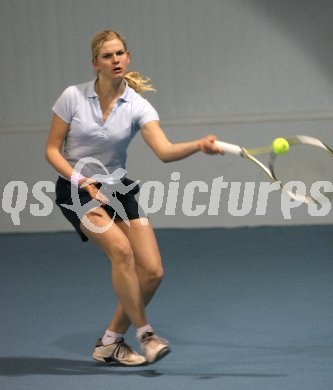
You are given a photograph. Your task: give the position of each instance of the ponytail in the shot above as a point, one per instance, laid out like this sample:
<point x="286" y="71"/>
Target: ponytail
<point x="139" y="83"/>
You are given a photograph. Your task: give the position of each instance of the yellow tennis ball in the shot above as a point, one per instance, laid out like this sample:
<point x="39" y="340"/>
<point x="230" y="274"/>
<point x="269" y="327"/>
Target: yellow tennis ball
<point x="280" y="146"/>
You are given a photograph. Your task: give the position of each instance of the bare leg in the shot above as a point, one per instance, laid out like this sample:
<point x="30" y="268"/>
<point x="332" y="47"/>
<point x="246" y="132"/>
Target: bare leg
<point x="125" y="278"/>
<point x="148" y="267"/>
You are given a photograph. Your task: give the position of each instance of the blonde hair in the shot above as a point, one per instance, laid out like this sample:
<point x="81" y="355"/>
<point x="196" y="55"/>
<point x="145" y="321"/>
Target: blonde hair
<point x="139" y="83"/>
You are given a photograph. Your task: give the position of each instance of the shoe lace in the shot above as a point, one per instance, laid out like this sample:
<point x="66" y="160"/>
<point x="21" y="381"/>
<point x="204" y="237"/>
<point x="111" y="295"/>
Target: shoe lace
<point x="122" y="349"/>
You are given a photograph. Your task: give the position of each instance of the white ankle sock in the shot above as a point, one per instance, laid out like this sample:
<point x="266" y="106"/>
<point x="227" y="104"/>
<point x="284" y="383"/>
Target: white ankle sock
<point x="110" y="337"/>
<point x="144" y="329"/>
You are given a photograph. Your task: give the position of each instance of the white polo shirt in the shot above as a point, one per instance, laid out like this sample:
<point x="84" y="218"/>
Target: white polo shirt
<point x="89" y="136"/>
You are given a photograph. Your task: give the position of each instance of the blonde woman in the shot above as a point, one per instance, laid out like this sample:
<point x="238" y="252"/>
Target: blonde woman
<point x="98" y="119"/>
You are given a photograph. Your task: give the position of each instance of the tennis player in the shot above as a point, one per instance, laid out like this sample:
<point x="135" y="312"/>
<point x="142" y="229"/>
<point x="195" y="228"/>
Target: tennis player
<point x="99" y="119"/>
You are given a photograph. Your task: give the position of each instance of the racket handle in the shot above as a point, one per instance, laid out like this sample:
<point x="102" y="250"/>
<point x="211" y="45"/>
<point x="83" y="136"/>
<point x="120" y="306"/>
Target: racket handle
<point x="229" y="148"/>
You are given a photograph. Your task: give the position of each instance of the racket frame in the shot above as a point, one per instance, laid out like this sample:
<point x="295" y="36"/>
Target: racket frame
<point x="269" y="170"/>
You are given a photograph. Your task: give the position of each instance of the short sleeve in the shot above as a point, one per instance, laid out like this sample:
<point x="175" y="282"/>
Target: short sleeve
<point x="65" y="106"/>
<point x="145" y="112"/>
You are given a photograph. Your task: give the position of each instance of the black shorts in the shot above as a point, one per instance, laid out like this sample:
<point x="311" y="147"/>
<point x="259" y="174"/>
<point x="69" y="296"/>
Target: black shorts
<point x="128" y="201"/>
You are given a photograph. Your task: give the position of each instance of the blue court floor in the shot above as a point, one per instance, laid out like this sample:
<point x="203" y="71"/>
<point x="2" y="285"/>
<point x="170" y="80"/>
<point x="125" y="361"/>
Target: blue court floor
<point x="245" y="308"/>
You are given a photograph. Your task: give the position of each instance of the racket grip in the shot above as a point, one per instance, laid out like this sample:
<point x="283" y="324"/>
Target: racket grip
<point x="229" y="148"/>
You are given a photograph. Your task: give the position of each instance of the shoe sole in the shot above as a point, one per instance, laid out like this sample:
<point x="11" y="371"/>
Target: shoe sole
<point x="110" y="360"/>
<point x="162" y="353"/>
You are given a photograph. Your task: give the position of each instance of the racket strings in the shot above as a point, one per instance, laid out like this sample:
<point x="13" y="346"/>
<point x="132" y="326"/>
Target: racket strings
<point x="309" y="165"/>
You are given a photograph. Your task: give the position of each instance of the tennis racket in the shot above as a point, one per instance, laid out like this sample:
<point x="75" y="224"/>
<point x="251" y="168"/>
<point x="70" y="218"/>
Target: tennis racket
<point x="305" y="172"/>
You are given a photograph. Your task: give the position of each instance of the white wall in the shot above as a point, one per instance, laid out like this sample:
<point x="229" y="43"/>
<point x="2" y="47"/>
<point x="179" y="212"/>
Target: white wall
<point x="245" y="70"/>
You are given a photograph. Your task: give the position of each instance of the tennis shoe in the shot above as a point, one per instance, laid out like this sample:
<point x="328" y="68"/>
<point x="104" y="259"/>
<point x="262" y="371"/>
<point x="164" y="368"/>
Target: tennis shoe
<point x="153" y="347"/>
<point x="118" y="352"/>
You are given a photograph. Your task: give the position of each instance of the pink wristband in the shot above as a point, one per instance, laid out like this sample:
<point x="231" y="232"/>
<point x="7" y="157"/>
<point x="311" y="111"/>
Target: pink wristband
<point x="75" y="178"/>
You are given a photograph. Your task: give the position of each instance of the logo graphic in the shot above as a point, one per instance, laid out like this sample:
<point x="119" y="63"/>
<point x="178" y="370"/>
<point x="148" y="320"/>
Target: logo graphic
<point x="110" y="185"/>
<point x="191" y="199"/>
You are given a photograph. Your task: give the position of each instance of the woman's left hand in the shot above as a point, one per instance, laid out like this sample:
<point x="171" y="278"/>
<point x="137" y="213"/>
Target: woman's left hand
<point x="94" y="191"/>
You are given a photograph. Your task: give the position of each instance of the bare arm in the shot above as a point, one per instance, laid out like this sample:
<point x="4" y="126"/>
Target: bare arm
<point x="53" y="154"/>
<point x="53" y="150"/>
<point x="167" y="151"/>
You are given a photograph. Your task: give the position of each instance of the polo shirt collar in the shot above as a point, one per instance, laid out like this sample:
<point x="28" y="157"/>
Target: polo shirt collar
<point x="91" y="93"/>
<point x="91" y="89"/>
<point x="126" y="95"/>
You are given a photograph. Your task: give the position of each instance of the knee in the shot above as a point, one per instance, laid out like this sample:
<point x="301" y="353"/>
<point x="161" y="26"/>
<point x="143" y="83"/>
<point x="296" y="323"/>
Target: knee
<point x="159" y="275"/>
<point x="155" y="276"/>
<point x="121" y="257"/>
<point x="122" y="250"/>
